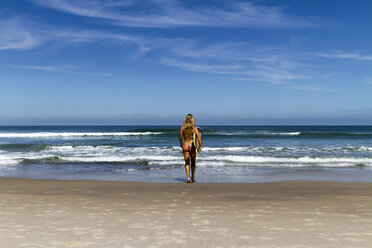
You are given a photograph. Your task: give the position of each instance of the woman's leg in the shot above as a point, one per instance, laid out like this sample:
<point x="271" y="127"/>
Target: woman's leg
<point x="193" y="165"/>
<point x="186" y="155"/>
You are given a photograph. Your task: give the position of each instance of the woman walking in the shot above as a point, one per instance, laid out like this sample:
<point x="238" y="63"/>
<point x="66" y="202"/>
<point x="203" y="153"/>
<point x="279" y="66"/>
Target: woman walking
<point x="188" y="147"/>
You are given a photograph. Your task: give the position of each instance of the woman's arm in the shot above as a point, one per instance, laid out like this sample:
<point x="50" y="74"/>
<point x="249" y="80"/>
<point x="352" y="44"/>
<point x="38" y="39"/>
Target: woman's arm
<point x="181" y="135"/>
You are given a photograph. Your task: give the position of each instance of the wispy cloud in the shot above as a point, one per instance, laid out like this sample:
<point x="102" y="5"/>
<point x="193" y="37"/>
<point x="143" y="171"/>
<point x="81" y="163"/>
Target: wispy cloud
<point x="343" y="55"/>
<point x="312" y="88"/>
<point x="44" y="68"/>
<point x="243" y="61"/>
<point x="240" y="60"/>
<point x="241" y="72"/>
<point x="16" y="34"/>
<point x="61" y="68"/>
<point x="86" y="36"/>
<point x="23" y="34"/>
<point x="211" y="68"/>
<point x="162" y="13"/>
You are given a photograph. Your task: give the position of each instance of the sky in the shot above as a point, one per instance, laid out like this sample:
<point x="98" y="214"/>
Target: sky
<point x="151" y="62"/>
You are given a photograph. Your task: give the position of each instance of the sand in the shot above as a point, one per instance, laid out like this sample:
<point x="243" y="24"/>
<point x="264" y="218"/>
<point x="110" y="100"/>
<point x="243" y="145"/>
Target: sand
<point x="53" y="213"/>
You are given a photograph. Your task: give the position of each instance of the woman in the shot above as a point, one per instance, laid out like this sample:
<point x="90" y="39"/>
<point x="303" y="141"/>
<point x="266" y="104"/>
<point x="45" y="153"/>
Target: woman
<point x="188" y="147"/>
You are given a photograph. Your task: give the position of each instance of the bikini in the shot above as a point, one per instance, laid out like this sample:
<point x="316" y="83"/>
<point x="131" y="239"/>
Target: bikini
<point x="188" y="147"/>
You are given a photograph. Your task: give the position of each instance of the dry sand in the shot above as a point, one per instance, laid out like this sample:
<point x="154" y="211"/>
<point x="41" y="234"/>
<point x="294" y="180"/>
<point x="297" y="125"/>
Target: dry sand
<point x="52" y="213"/>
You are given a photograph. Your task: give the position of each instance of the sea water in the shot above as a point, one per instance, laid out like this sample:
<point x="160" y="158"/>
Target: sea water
<point x="153" y="154"/>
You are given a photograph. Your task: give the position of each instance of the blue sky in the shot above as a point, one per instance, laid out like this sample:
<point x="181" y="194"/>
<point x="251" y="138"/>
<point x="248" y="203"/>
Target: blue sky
<point x="152" y="62"/>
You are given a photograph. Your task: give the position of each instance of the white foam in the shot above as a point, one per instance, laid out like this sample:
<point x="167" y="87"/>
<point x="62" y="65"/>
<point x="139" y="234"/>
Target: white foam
<point x="361" y="148"/>
<point x="237" y="150"/>
<point x="6" y="159"/>
<point x="305" y="159"/>
<point x="17" y="158"/>
<point x="288" y="149"/>
<point x="73" y="134"/>
<point x="81" y="148"/>
<point x="233" y="149"/>
<point x="254" y="133"/>
<point x="213" y="156"/>
<point x="181" y="162"/>
<point x="290" y="133"/>
<point x="213" y="163"/>
<point x="120" y="158"/>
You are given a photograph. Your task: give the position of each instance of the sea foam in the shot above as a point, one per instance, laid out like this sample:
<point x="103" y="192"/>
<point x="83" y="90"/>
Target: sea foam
<point x="73" y="134"/>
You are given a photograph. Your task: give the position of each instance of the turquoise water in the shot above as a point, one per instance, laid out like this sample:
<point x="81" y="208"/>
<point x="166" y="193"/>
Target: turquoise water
<point x="152" y="153"/>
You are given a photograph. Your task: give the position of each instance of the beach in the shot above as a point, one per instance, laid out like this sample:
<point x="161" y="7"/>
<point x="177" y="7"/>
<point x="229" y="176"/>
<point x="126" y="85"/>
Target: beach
<point x="124" y="186"/>
<point x="64" y="213"/>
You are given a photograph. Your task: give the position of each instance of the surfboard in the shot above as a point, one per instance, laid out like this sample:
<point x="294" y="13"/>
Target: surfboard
<point x="195" y="140"/>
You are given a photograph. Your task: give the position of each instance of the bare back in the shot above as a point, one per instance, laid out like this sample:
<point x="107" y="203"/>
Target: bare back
<point x="187" y="138"/>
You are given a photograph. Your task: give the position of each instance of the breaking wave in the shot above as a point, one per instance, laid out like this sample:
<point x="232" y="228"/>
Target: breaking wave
<point x="211" y="156"/>
<point x="73" y="134"/>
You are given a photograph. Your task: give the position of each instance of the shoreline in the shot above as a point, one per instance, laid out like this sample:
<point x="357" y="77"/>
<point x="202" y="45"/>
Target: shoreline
<point x="180" y="181"/>
<point x="73" y="213"/>
<point x="228" y="174"/>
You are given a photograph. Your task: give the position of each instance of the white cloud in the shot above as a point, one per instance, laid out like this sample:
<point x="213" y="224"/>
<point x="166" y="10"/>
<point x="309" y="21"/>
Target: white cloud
<point x="241" y="52"/>
<point x="16" y="34"/>
<point x="343" y="55"/>
<point x="246" y="62"/>
<point x="160" y="13"/>
<point x="85" y="36"/>
<point x="241" y="71"/>
<point x="62" y="68"/>
<point x="311" y="88"/>
<point x="241" y="60"/>
<point x="211" y="68"/>
<point x="20" y="33"/>
<point x="44" y="68"/>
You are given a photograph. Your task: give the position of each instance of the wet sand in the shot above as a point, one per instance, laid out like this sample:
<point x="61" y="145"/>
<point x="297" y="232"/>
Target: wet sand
<point x="56" y="213"/>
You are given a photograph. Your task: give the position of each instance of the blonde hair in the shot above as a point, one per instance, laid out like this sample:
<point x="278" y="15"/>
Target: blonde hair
<point x="189" y="124"/>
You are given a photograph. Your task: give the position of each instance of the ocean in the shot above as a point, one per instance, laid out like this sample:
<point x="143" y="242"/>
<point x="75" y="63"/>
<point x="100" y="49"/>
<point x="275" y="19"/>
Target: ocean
<point x="152" y="153"/>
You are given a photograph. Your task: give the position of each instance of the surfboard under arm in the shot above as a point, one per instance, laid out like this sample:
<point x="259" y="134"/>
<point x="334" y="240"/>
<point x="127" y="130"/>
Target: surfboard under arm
<point x="195" y="140"/>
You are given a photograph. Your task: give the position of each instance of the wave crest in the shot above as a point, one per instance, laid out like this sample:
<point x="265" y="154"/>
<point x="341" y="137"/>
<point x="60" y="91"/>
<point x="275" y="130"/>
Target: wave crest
<point x="73" y="134"/>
